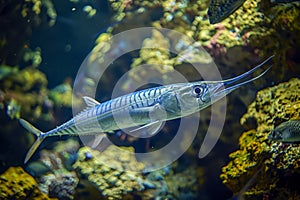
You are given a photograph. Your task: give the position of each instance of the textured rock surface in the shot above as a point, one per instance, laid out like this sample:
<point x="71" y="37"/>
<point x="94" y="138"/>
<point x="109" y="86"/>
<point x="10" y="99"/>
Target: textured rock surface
<point x="15" y="183"/>
<point x="278" y="163"/>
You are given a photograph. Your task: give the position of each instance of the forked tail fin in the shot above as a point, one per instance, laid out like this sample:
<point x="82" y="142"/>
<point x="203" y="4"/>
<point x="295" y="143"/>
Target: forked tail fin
<point x="36" y="132"/>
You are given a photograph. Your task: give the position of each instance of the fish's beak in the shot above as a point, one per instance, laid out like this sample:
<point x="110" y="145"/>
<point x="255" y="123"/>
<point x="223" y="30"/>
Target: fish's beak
<point x="224" y="87"/>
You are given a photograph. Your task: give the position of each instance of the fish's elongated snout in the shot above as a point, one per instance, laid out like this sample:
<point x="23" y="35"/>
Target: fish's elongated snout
<point x="224" y="87"/>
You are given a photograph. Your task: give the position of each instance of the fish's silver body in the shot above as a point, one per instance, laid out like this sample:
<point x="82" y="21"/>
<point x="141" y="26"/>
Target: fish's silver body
<point x="143" y="111"/>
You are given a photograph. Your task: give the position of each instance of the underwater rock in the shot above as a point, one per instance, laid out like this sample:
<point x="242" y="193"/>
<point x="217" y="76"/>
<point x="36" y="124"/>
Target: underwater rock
<point x="122" y="182"/>
<point x="61" y="185"/>
<point x="278" y="163"/>
<point x="53" y="170"/>
<point x="15" y="183"/>
<point x="155" y="54"/>
<point x="27" y="90"/>
<point x="112" y="183"/>
<point x="259" y="28"/>
<point x="61" y="95"/>
<point x="174" y="184"/>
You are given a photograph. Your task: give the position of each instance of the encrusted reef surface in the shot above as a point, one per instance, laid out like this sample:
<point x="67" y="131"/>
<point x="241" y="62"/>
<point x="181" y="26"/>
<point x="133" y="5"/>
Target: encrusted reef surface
<point x="277" y="165"/>
<point x="53" y="170"/>
<point x="112" y="183"/>
<point x="127" y="180"/>
<point x="258" y="28"/>
<point x="23" y="87"/>
<point x="15" y="183"/>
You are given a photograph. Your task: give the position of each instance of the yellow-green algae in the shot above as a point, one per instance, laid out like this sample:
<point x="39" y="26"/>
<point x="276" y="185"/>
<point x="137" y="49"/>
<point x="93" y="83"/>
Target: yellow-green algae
<point x="156" y="55"/>
<point x="264" y="28"/>
<point x="113" y="183"/>
<point x="279" y="164"/>
<point x="53" y="171"/>
<point x="61" y="95"/>
<point x="22" y="90"/>
<point x="15" y="183"/>
<point x="28" y="89"/>
<point x="125" y="180"/>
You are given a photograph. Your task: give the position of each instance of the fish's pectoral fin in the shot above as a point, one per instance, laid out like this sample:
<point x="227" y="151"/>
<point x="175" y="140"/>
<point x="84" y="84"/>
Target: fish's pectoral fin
<point x="90" y="102"/>
<point x="156" y="112"/>
<point x="148" y="130"/>
<point x="38" y="141"/>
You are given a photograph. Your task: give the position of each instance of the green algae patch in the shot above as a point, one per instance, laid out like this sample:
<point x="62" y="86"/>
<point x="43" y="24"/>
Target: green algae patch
<point x="277" y="163"/>
<point x="15" y="183"/>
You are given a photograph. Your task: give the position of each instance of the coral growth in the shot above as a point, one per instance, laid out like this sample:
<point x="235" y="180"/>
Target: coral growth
<point x="28" y="89"/>
<point x="23" y="89"/>
<point x="15" y="183"/>
<point x="257" y="28"/>
<point x="126" y="179"/>
<point x="278" y="163"/>
<point x="57" y="180"/>
<point x="169" y="183"/>
<point x="61" y="95"/>
<point x="113" y="183"/>
<point x="61" y="185"/>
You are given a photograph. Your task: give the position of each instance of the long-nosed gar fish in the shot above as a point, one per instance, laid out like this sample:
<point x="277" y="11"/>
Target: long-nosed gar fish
<point x="146" y="109"/>
<point x="288" y="131"/>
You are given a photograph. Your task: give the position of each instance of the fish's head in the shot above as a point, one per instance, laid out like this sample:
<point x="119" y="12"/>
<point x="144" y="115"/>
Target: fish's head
<point x="276" y="135"/>
<point x="282" y="133"/>
<point x="193" y="97"/>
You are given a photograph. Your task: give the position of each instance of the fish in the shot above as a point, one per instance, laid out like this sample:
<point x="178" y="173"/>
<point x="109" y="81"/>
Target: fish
<point x="143" y="112"/>
<point x="37" y="168"/>
<point x="286" y="132"/>
<point x="284" y="1"/>
<point x="218" y="10"/>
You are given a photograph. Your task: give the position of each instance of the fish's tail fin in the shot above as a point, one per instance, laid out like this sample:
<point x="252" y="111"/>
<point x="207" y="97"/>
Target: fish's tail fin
<point x="36" y="132"/>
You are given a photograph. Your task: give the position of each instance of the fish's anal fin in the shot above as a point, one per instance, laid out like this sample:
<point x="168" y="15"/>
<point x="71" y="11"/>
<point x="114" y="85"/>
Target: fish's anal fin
<point x="90" y="102"/>
<point x="147" y="130"/>
<point x="97" y="140"/>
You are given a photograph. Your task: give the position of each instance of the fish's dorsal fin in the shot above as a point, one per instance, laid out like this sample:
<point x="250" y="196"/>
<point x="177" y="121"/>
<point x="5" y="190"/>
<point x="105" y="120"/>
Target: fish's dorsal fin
<point x="90" y="102"/>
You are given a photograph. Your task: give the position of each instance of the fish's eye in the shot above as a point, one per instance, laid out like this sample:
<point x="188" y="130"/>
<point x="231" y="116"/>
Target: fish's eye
<point x="198" y="90"/>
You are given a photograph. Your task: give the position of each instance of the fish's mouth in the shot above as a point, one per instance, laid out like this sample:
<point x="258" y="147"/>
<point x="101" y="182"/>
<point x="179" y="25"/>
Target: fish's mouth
<point x="224" y="87"/>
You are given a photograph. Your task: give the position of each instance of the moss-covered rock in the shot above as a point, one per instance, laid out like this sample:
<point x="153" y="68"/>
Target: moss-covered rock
<point x="112" y="183"/>
<point x="15" y="183"/>
<point x="278" y="163"/>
